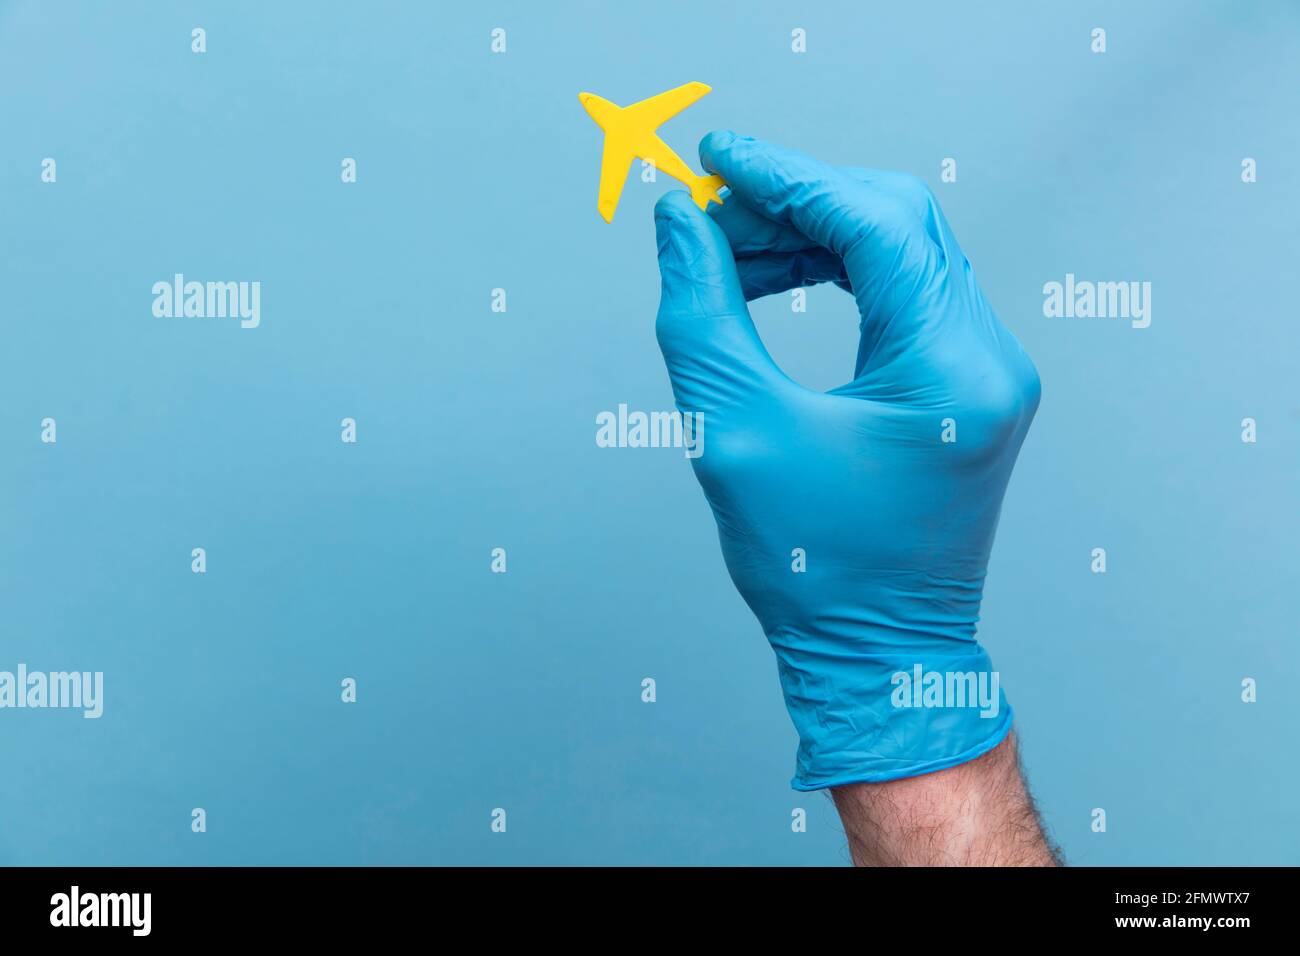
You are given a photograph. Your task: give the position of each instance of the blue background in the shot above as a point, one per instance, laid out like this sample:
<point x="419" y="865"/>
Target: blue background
<point x="476" y="429"/>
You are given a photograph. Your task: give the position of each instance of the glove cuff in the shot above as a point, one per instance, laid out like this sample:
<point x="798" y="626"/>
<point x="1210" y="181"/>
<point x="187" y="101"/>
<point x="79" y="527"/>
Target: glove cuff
<point x="892" y="716"/>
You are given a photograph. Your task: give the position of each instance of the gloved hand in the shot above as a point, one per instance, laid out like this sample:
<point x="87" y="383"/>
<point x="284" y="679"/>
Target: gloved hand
<point x="890" y="484"/>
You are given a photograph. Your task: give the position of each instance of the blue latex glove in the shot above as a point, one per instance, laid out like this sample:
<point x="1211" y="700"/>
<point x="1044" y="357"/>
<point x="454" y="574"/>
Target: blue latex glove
<point x="895" y="522"/>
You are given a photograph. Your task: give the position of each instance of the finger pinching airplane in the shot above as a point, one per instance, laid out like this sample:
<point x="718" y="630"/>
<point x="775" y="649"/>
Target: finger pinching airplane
<point x="630" y="133"/>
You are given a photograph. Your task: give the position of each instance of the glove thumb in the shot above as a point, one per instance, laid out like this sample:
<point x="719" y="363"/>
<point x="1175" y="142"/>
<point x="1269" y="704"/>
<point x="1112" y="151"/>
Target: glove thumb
<point x="713" y="352"/>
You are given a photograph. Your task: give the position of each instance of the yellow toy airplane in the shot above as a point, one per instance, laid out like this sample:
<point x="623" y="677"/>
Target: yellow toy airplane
<point x="630" y="132"/>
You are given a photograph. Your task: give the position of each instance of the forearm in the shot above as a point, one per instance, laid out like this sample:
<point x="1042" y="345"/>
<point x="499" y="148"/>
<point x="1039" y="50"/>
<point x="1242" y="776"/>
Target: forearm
<point x="978" y="813"/>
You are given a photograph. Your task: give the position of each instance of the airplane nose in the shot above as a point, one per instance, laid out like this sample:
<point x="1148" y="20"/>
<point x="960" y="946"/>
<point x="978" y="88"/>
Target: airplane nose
<point x="583" y="97"/>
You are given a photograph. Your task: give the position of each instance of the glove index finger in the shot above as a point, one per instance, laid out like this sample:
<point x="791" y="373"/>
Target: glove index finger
<point x="826" y="204"/>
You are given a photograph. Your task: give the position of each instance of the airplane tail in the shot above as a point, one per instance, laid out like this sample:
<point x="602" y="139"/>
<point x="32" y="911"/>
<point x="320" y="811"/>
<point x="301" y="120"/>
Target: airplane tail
<point x="704" y="190"/>
<point x="600" y="109"/>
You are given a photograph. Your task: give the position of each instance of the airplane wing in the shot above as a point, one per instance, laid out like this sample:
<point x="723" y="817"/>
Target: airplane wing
<point x="614" y="164"/>
<point x="658" y="109"/>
